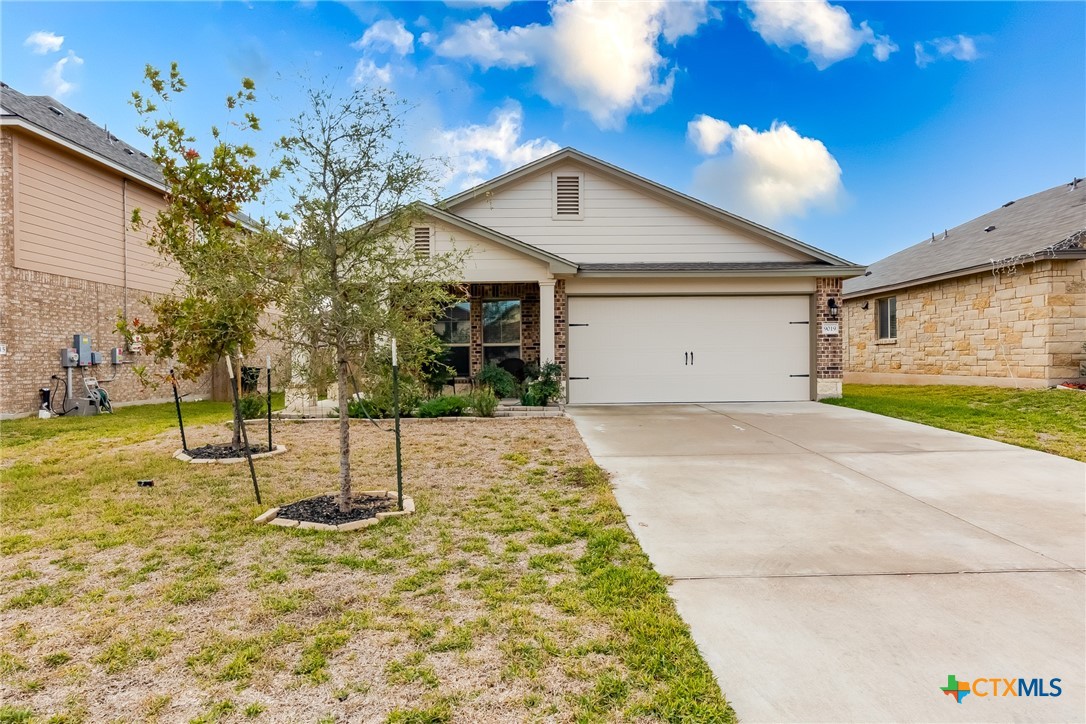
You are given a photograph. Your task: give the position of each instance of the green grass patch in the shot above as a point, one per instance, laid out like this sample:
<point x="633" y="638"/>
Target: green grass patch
<point x="1053" y="421"/>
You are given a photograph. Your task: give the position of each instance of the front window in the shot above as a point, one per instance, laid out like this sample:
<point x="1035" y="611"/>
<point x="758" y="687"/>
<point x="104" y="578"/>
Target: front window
<point x="888" y="318"/>
<point x="454" y="329"/>
<point x="501" y="330"/>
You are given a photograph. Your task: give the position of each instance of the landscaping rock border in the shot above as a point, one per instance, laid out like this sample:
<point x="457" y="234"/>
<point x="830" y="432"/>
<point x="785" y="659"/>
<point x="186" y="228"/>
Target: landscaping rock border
<point x="186" y="458"/>
<point x="271" y="516"/>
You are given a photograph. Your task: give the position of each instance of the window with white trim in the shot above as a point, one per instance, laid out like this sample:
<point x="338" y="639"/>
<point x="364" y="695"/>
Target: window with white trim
<point x="887" y="318"/>
<point x="423" y="243"/>
<point x="568" y="196"/>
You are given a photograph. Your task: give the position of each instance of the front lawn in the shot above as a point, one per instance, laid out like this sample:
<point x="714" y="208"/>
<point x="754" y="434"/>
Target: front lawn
<point x="516" y="593"/>
<point x="1053" y="421"/>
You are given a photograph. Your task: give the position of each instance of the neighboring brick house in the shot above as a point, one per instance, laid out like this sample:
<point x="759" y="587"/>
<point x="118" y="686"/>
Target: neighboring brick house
<point x="999" y="300"/>
<point x="69" y="259"/>
<point x="641" y="293"/>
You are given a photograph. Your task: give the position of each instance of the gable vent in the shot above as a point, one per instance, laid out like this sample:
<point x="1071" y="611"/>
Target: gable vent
<point x="567" y="195"/>
<point x="422" y="241"/>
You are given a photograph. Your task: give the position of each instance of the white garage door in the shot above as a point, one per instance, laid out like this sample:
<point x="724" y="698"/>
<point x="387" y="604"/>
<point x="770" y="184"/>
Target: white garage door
<point x="689" y="349"/>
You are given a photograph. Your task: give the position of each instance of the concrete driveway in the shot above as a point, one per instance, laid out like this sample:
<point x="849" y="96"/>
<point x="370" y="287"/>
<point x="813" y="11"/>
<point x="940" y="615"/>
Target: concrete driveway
<point x="836" y="565"/>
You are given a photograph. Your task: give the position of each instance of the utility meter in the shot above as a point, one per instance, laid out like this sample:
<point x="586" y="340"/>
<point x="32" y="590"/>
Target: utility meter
<point x="69" y="357"/>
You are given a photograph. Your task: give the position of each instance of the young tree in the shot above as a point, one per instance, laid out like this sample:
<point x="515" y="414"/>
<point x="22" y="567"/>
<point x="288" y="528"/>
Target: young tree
<point x="226" y="262"/>
<point x="355" y="279"/>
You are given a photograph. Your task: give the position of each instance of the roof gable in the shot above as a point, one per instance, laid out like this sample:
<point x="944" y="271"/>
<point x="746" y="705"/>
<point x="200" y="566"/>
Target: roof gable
<point x="1042" y="223"/>
<point x="570" y="156"/>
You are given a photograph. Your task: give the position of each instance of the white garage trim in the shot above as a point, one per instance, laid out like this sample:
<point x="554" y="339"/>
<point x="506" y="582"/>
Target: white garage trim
<point x="725" y="348"/>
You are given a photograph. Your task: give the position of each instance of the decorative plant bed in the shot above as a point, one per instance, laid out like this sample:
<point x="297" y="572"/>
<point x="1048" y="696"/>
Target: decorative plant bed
<point x="322" y="512"/>
<point x="225" y="453"/>
<point x="1078" y="386"/>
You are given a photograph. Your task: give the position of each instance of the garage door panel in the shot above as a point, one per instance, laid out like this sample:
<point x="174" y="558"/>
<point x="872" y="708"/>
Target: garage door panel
<point x="636" y="349"/>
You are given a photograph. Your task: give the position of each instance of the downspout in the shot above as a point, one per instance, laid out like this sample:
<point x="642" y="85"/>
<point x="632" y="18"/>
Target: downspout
<point x="124" y="240"/>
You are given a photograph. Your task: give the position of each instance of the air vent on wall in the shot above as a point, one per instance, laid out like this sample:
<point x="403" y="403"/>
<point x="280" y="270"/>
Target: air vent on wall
<point x="567" y="195"/>
<point x="422" y="241"/>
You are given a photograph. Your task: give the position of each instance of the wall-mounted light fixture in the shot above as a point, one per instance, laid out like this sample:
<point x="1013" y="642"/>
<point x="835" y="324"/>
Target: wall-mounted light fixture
<point x="831" y="305"/>
<point x="865" y="305"/>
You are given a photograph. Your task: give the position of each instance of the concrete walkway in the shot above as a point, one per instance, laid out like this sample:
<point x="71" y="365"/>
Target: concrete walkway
<point x="836" y="565"/>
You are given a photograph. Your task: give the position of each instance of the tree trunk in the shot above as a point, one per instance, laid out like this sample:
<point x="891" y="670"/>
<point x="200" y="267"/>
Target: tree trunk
<point x="344" y="427"/>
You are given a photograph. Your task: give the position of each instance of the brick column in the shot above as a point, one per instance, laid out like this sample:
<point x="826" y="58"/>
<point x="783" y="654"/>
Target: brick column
<point x="546" y="321"/>
<point x="829" y="360"/>
<point x="561" y="328"/>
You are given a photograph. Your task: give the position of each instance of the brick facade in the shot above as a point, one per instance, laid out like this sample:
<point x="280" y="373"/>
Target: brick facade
<point x="561" y="327"/>
<point x="528" y="294"/>
<point x="829" y="352"/>
<point x="1023" y="328"/>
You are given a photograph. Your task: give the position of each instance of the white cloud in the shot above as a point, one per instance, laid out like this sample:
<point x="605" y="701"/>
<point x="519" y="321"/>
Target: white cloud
<point x="477" y="152"/>
<point x="708" y="134"/>
<point x="825" y="31"/>
<point x="387" y="36"/>
<point x="366" y="72"/>
<point x="765" y="175"/>
<point x="600" y="57"/>
<point x="55" y="82"/>
<point x="42" y="42"/>
<point x="481" y="41"/>
<point x="959" y="47"/>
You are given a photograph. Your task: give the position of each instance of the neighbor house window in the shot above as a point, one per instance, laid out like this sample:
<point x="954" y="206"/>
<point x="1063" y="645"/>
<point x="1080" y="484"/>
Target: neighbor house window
<point x="501" y="330"/>
<point x="454" y="329"/>
<point x="888" y="318"/>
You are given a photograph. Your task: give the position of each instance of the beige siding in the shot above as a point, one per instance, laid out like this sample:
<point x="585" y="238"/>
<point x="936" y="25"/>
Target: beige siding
<point x="147" y="270"/>
<point x="620" y="224"/>
<point x="487" y="261"/>
<point x="69" y="219"/>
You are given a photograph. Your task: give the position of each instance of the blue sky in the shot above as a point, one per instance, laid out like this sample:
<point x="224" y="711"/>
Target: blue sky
<point x="857" y="127"/>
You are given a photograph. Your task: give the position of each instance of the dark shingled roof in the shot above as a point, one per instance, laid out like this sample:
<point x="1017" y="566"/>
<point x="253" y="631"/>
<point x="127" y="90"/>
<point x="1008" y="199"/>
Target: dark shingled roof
<point x="697" y="266"/>
<point x="78" y="130"/>
<point x="1044" y="222"/>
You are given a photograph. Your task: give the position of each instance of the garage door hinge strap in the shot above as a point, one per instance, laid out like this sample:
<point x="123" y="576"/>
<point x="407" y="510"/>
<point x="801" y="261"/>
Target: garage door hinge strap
<point x="799" y="375"/>
<point x="579" y="378"/>
<point x="578" y="325"/>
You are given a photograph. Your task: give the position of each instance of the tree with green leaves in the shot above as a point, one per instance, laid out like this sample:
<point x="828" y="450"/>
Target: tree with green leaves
<point x="226" y="261"/>
<point x="355" y="280"/>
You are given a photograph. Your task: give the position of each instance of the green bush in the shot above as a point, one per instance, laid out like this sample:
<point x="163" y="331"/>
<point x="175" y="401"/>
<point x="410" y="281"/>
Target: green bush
<point x="448" y="406"/>
<point x="543" y="389"/>
<point x="377" y="399"/>
<point x="483" y="402"/>
<point x="251" y="406"/>
<point x="497" y="379"/>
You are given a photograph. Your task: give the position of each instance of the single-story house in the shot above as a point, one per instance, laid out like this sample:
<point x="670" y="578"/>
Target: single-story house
<point x="999" y="300"/>
<point x="641" y="293"/>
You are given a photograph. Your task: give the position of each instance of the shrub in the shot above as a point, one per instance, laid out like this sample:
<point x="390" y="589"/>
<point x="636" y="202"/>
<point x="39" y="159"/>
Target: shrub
<point x="500" y="381"/>
<point x="483" y="401"/>
<point x="448" y="406"/>
<point x="251" y="406"/>
<point x="377" y="399"/>
<point x="547" y="387"/>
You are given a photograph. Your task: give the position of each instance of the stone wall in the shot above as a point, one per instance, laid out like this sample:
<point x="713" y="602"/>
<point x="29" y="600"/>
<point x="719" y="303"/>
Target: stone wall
<point x="1024" y="328"/>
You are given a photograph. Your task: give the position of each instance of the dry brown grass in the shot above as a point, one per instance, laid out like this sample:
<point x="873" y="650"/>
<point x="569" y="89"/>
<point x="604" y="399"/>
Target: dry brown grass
<point x="516" y="592"/>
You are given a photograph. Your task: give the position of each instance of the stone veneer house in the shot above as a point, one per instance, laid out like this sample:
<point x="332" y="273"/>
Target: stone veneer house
<point x="999" y="300"/>
<point x="69" y="259"/>
<point x="641" y="293"/>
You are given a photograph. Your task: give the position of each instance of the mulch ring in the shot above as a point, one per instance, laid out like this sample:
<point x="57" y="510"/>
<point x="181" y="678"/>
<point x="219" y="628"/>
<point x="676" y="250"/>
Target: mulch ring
<point x="325" y="509"/>
<point x="223" y="451"/>
<point x="1081" y="386"/>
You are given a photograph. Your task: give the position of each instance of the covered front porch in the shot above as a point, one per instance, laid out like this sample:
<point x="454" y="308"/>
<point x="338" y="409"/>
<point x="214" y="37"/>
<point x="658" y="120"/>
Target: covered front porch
<point x="502" y="321"/>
